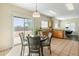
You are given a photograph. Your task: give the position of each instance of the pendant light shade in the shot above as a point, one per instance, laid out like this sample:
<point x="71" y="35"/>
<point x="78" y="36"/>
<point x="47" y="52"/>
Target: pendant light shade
<point x="36" y="13"/>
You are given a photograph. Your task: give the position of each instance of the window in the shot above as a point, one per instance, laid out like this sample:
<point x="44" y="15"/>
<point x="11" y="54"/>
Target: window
<point x="21" y="25"/>
<point x="44" y="24"/>
<point x="57" y="23"/>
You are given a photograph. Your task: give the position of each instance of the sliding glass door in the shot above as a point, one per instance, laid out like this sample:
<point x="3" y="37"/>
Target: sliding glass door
<point x="21" y="25"/>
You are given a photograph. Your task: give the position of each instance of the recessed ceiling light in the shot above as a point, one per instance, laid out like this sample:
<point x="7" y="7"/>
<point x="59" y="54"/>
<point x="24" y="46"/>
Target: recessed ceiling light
<point x="52" y="12"/>
<point x="60" y="18"/>
<point x="70" y="6"/>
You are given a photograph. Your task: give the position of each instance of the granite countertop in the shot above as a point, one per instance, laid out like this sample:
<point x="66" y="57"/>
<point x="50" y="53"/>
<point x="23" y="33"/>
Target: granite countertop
<point x="59" y="29"/>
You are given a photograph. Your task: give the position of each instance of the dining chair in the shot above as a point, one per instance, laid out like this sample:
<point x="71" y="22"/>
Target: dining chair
<point x="24" y="43"/>
<point x="47" y="42"/>
<point x="34" y="45"/>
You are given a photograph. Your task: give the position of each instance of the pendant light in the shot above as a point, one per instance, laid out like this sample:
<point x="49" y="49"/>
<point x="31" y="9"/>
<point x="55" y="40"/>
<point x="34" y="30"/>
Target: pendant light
<point x="36" y="14"/>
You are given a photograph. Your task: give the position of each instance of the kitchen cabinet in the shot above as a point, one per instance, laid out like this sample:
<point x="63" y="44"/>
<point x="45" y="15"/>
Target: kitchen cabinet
<point x="58" y="33"/>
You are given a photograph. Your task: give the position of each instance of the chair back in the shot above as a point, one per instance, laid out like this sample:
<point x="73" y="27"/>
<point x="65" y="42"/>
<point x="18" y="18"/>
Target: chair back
<point x="34" y="43"/>
<point x="49" y="38"/>
<point x="22" y="37"/>
<point x="40" y="33"/>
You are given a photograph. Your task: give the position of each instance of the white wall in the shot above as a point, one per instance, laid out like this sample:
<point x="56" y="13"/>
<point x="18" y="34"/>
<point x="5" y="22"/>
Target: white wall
<point x="5" y="27"/>
<point x="69" y="21"/>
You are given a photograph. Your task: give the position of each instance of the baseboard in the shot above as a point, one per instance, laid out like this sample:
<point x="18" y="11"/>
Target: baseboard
<point x="1" y="50"/>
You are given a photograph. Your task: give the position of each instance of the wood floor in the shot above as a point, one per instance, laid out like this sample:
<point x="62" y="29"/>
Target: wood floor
<point x="59" y="47"/>
<point x="64" y="47"/>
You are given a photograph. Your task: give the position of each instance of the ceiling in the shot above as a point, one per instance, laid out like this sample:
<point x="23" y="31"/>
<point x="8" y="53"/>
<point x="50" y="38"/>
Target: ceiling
<point x="59" y="8"/>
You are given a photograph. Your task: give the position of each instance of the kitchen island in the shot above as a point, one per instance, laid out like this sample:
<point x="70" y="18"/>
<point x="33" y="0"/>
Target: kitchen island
<point x="56" y="33"/>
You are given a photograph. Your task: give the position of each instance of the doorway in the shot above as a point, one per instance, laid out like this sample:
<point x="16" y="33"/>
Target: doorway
<point x="21" y="25"/>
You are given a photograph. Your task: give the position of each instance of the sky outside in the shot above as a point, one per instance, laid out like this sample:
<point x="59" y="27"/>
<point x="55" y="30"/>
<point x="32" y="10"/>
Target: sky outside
<point x="20" y="22"/>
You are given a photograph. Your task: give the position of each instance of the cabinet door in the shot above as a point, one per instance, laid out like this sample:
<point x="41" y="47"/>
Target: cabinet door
<point x="55" y="34"/>
<point x="60" y="34"/>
